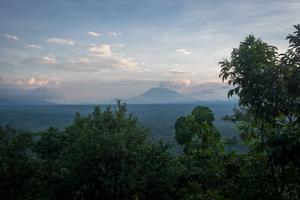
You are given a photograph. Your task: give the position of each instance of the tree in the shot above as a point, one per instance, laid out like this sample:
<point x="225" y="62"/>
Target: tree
<point x="202" y="163"/>
<point x="104" y="155"/>
<point x="268" y="89"/>
<point x="16" y="165"/>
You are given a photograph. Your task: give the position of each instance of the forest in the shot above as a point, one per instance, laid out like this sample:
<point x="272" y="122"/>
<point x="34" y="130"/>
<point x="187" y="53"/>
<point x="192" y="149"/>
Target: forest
<point x="107" y="154"/>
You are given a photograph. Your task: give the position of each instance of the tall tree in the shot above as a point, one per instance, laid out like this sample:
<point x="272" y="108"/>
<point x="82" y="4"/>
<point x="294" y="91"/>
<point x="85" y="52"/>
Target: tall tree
<point x="267" y="86"/>
<point x="203" y="155"/>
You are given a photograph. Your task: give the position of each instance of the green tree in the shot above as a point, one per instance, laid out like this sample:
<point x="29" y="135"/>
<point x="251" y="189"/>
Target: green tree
<point x="204" y="155"/>
<point x="267" y="86"/>
<point x="104" y="155"/>
<point x="16" y="165"/>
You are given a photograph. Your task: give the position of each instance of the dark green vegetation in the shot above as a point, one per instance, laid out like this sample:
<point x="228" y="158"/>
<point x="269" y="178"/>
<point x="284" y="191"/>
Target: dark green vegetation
<point x="106" y="154"/>
<point x="158" y="118"/>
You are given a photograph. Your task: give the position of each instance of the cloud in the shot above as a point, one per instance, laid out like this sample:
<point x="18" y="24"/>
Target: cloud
<point x="34" y="46"/>
<point x="184" y="51"/>
<point x="126" y="63"/>
<point x="176" y="83"/>
<point x="60" y="41"/>
<point x="115" y="34"/>
<point x="37" y="82"/>
<point x="102" y="50"/>
<point x="185" y="82"/>
<point x="98" y="63"/>
<point x="48" y="60"/>
<point x="100" y="58"/>
<point x="27" y="95"/>
<point x="181" y="85"/>
<point x="83" y="60"/>
<point x="93" y="34"/>
<point x="12" y="37"/>
<point x="103" y="57"/>
<point x="45" y="60"/>
<point x="179" y="72"/>
<point x="32" y="82"/>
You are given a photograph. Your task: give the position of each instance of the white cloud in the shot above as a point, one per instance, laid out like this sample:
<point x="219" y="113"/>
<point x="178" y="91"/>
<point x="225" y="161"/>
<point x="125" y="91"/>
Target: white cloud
<point x="102" y="50"/>
<point x="48" y="60"/>
<point x="176" y="84"/>
<point x="45" y="60"/>
<point x="185" y="82"/>
<point x="94" y="34"/>
<point x="84" y="60"/>
<point x="116" y="34"/>
<point x="105" y="58"/>
<point x="31" y="82"/>
<point x="184" y="51"/>
<point x="60" y="41"/>
<point x="100" y="63"/>
<point x="37" y="82"/>
<point x="34" y="46"/>
<point x="126" y="63"/>
<point x="12" y="37"/>
<point x="180" y="85"/>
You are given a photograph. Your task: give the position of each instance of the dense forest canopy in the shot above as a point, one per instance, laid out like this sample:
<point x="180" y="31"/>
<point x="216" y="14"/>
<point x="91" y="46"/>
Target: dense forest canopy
<point x="106" y="155"/>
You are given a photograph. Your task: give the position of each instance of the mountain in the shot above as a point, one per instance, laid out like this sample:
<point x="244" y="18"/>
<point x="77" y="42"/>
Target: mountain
<point x="15" y="102"/>
<point x="160" y="95"/>
<point x="17" y="95"/>
<point x="203" y="92"/>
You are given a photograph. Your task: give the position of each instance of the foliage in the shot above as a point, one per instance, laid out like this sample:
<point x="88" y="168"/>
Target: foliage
<point x="16" y="164"/>
<point x="268" y="86"/>
<point x="204" y="160"/>
<point x="102" y="155"/>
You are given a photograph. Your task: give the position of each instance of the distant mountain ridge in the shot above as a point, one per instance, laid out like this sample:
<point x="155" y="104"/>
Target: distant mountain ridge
<point x="15" y="102"/>
<point x="160" y="95"/>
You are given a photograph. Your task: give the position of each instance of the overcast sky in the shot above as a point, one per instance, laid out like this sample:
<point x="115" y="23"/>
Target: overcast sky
<point x="129" y="45"/>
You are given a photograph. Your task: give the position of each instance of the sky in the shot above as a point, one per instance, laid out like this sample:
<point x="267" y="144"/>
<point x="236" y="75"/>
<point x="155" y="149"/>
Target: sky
<point x="95" y="50"/>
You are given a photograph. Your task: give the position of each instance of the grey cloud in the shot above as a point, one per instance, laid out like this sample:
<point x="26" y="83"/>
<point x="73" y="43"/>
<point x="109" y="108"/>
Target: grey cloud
<point x="21" y="94"/>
